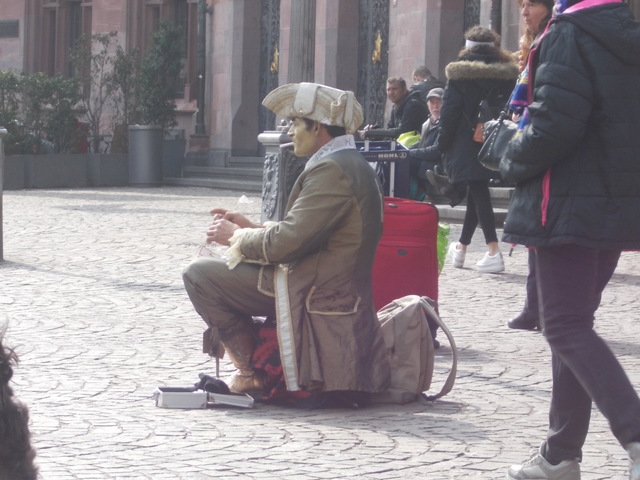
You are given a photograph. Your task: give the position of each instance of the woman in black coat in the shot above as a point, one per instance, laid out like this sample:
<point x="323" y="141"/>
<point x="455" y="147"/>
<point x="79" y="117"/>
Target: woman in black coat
<point x="482" y="71"/>
<point x="576" y="166"/>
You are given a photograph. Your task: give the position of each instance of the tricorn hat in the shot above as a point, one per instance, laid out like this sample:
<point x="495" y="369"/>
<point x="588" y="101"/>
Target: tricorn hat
<point x="323" y="104"/>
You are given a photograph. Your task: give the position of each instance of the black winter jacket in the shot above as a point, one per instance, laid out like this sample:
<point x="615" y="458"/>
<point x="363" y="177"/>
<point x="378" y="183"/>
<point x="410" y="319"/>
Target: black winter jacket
<point x="409" y="115"/>
<point x="577" y="164"/>
<point x="426" y="86"/>
<point x="470" y="79"/>
<point x="426" y="155"/>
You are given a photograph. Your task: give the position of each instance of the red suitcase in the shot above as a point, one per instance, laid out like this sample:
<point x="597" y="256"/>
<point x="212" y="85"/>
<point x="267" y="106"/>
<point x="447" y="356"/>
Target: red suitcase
<point x="406" y="261"/>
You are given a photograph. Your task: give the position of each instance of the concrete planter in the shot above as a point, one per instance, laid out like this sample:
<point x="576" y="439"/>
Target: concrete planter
<point x="145" y="155"/>
<point x="65" y="171"/>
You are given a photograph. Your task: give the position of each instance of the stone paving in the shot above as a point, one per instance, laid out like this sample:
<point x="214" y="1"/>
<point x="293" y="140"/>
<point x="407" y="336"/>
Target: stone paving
<point x="92" y="293"/>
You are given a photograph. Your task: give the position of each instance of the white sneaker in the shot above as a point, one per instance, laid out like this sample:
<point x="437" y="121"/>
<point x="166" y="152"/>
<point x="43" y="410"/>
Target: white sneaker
<point x="491" y="264"/>
<point x="634" y="455"/>
<point x="456" y="255"/>
<point x="537" y="468"/>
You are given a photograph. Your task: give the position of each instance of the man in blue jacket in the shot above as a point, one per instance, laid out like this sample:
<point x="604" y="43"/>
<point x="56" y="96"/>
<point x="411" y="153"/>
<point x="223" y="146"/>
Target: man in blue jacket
<point x="576" y="162"/>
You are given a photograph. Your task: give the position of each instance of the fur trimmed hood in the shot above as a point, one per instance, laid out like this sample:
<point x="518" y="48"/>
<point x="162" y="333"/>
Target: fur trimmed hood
<point x="478" y="70"/>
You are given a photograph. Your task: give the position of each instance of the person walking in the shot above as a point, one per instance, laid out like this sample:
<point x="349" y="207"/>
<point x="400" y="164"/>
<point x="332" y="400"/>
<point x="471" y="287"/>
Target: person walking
<point x="536" y="15"/>
<point x="481" y="70"/>
<point x="576" y="165"/>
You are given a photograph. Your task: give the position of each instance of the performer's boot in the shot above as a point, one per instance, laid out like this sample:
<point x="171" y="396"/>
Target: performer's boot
<point x="239" y="345"/>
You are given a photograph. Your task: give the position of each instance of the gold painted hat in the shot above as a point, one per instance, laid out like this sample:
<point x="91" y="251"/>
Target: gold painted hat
<point x="323" y="104"/>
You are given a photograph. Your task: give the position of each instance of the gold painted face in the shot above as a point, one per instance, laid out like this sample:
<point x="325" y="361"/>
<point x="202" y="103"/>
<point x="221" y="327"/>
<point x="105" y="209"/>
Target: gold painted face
<point x="304" y="138"/>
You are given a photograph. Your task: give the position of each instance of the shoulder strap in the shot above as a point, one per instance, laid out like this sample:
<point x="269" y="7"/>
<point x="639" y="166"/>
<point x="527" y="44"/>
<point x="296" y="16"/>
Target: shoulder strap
<point x="451" y="378"/>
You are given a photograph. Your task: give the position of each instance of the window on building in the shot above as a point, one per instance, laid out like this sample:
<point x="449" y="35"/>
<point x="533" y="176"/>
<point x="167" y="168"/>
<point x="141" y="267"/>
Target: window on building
<point x="144" y="18"/>
<point x="186" y="16"/>
<point x="58" y="24"/>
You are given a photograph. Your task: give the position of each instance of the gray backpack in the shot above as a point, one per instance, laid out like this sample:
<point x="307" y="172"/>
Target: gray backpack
<point x="405" y="329"/>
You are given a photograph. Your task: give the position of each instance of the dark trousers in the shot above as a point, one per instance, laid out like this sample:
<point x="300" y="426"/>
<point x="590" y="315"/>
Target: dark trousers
<point x="531" y="309"/>
<point x="570" y="284"/>
<point x="479" y="209"/>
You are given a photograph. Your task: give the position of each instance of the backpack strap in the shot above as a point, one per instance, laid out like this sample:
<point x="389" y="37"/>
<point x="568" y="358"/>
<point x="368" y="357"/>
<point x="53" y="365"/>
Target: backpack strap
<point x="451" y="378"/>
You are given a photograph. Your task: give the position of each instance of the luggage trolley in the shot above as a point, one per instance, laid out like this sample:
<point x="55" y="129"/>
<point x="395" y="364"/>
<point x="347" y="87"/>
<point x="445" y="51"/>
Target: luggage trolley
<point x="406" y="261"/>
<point x="391" y="161"/>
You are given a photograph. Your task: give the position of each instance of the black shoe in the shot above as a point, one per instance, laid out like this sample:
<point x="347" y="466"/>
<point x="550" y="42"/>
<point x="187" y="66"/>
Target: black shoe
<point x="441" y="182"/>
<point x="456" y="194"/>
<point x="524" y="322"/>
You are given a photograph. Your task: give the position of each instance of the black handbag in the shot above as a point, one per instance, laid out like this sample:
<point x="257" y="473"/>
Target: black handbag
<point x="497" y="135"/>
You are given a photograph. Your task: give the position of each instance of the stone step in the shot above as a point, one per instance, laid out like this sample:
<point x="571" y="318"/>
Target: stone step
<point x="242" y="173"/>
<point x="501" y="196"/>
<point x="234" y="184"/>
<point x="246" y="162"/>
<point x="245" y="174"/>
<point x="456" y="214"/>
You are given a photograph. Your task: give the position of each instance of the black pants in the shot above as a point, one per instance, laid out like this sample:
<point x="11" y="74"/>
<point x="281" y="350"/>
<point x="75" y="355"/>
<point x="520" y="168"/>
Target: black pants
<point x="479" y="209"/>
<point x="570" y="284"/>
<point x="531" y="309"/>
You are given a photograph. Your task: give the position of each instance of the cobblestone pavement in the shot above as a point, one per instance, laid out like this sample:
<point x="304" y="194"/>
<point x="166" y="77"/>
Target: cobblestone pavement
<point x="91" y="289"/>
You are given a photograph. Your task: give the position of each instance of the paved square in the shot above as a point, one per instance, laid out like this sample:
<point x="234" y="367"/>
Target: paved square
<point x="91" y="289"/>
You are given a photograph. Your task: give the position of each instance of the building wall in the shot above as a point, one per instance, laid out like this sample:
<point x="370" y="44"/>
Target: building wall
<point x="11" y="47"/>
<point x="421" y="32"/>
<point x="336" y="48"/>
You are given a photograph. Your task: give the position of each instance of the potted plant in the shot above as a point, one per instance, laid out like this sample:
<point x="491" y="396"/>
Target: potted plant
<point x="144" y="87"/>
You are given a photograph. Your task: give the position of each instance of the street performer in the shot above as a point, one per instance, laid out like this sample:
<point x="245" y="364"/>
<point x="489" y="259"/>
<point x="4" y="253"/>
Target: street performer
<point x="311" y="271"/>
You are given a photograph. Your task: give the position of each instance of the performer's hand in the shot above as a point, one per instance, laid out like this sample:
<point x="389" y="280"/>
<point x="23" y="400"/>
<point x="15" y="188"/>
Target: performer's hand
<point x="221" y="231"/>
<point x="234" y="217"/>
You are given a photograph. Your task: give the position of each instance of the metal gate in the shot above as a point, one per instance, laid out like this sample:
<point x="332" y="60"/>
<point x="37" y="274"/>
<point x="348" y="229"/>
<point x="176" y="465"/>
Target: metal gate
<point x="269" y="59"/>
<point x="373" y="55"/>
<point x="471" y="13"/>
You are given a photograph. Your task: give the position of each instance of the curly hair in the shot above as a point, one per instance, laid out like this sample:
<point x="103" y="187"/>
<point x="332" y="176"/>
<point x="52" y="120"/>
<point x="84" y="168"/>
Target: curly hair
<point x="16" y="454"/>
<point x="482" y="34"/>
<point x="489" y="47"/>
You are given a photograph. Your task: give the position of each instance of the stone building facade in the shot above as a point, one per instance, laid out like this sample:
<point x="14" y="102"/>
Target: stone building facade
<point x="238" y="50"/>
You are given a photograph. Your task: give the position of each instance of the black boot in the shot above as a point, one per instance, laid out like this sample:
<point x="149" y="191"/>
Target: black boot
<point x="441" y="182"/>
<point x="455" y="192"/>
<point x="524" y="321"/>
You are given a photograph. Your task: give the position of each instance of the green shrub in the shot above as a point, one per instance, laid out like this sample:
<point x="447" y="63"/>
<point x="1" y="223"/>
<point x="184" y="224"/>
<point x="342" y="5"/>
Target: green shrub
<point x="50" y="112"/>
<point x="39" y="113"/>
<point x="10" y="95"/>
<point x="159" y="71"/>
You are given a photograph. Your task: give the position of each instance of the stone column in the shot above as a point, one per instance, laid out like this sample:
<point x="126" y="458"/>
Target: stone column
<point x="337" y="30"/>
<point x="511" y="26"/>
<point x="302" y="41"/>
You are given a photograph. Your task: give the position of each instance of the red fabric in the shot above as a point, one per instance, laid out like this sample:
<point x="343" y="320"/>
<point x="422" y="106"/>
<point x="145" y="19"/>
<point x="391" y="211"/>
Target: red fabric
<point x="266" y="358"/>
